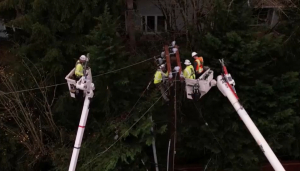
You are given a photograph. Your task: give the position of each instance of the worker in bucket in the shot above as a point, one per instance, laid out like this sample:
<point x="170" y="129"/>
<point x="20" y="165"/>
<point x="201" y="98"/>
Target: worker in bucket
<point x="160" y="75"/>
<point x="198" y="64"/>
<point x="79" y="67"/>
<point x="189" y="71"/>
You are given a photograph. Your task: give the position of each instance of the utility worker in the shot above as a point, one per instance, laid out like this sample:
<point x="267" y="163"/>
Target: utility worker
<point x="198" y="64"/>
<point x="79" y="74"/>
<point x="189" y="72"/>
<point x="79" y="67"/>
<point x="159" y="76"/>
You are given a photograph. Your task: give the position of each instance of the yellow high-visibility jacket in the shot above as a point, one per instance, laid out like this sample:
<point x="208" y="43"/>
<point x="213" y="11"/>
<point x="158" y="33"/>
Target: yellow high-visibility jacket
<point x="158" y="77"/>
<point x="78" y="69"/>
<point x="189" y="72"/>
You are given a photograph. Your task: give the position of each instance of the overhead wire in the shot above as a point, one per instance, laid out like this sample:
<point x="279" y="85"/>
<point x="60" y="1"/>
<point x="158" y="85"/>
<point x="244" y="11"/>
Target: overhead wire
<point x="54" y="85"/>
<point x="124" y="67"/>
<point x="20" y="91"/>
<point x="38" y="88"/>
<point x="199" y="111"/>
<point x="139" y="98"/>
<point x="101" y="153"/>
<point x="109" y="72"/>
<point x="133" y="107"/>
<point x="31" y="89"/>
<point x="175" y="122"/>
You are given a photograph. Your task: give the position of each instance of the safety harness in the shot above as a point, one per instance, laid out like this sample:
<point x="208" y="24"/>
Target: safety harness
<point x="196" y="92"/>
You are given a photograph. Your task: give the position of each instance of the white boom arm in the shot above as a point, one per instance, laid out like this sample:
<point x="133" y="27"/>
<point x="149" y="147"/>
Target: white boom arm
<point x="79" y="135"/>
<point x="225" y="89"/>
<point x="225" y="84"/>
<point x="86" y="85"/>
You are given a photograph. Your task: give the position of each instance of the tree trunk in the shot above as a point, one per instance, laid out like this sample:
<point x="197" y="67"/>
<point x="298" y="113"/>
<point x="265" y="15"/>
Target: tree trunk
<point x="130" y="23"/>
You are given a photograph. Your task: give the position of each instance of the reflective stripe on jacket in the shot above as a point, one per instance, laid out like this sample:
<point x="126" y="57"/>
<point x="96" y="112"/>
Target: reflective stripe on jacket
<point x="158" y="77"/>
<point x="199" y="66"/>
<point x="78" y="69"/>
<point x="189" y="72"/>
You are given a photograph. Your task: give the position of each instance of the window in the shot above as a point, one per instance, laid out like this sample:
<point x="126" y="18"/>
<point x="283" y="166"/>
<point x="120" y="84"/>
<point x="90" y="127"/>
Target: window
<point x="263" y="16"/>
<point x="151" y="24"/>
<point x="161" y="24"/>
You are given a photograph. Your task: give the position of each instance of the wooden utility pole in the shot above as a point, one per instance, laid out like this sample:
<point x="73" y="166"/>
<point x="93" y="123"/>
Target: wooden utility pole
<point x="173" y="107"/>
<point x="168" y="59"/>
<point x="171" y="110"/>
<point x="130" y="23"/>
<point x="172" y="132"/>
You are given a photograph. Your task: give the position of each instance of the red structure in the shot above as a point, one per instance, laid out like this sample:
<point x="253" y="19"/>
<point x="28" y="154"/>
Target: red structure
<point x="288" y="165"/>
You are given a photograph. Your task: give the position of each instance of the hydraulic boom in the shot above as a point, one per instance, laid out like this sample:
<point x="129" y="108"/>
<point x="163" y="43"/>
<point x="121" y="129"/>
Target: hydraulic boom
<point x="226" y="84"/>
<point x="85" y="84"/>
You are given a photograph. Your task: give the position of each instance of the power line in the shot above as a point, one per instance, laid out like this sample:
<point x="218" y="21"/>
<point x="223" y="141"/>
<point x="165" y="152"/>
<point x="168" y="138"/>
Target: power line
<point x="138" y="100"/>
<point x="123" y="67"/>
<point x="134" y="106"/>
<point x="119" y="121"/>
<point x="54" y="85"/>
<point x="20" y="91"/>
<point x="100" y="154"/>
<point x="214" y="136"/>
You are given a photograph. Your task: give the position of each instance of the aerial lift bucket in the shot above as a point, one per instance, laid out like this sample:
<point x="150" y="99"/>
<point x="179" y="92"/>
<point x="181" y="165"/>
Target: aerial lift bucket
<point x="203" y="83"/>
<point x="84" y="83"/>
<point x="71" y="83"/>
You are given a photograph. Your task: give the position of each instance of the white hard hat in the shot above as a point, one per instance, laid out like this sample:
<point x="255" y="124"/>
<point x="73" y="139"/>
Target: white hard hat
<point x="162" y="66"/>
<point x="83" y="58"/>
<point x="187" y="62"/>
<point x="193" y="54"/>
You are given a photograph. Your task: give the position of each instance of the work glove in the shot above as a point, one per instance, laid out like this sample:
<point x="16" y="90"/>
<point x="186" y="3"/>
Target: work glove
<point x="181" y="75"/>
<point x="176" y="69"/>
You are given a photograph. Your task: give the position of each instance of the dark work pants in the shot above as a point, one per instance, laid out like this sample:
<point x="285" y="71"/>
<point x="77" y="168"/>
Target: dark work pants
<point x="79" y="93"/>
<point x="204" y="69"/>
<point x="162" y="89"/>
<point x="197" y="75"/>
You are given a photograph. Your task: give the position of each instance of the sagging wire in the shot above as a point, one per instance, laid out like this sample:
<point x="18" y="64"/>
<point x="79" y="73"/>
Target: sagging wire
<point x="107" y="149"/>
<point x="54" y="85"/>
<point x="200" y="113"/>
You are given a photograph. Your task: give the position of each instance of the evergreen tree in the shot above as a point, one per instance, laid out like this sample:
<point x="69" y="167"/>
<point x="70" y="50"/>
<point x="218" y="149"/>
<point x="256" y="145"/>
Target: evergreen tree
<point x="259" y="79"/>
<point x="53" y="34"/>
<point x="115" y="95"/>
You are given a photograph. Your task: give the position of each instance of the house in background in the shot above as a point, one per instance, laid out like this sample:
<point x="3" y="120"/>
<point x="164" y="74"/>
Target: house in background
<point x="150" y="14"/>
<point x="267" y="12"/>
<point x="3" y="33"/>
<point x="7" y="31"/>
<point x="149" y="17"/>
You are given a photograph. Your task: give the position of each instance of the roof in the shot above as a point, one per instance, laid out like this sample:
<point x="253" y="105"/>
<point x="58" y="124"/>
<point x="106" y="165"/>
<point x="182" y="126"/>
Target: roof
<point x="272" y="3"/>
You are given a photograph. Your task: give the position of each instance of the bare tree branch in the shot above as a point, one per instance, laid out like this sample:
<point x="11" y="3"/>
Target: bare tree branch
<point x="28" y="115"/>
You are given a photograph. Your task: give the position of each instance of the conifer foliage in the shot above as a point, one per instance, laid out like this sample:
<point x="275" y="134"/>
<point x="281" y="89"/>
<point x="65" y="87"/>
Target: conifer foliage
<point x="41" y="124"/>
